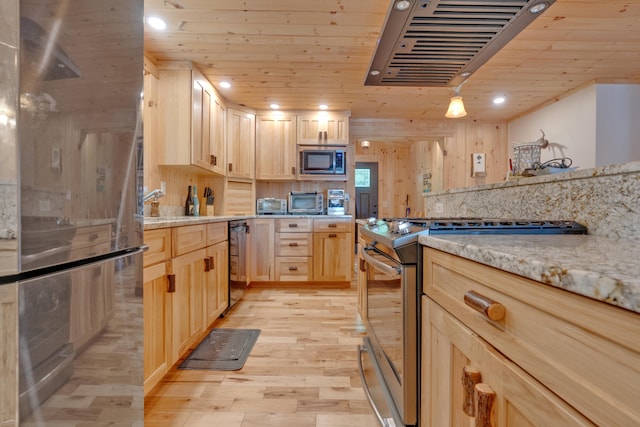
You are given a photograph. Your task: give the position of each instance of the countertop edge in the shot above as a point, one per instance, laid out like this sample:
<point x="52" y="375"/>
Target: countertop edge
<point x="584" y="265"/>
<point x="168" y="222"/>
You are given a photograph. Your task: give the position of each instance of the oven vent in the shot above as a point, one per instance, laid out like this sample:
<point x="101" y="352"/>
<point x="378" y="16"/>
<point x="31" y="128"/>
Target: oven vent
<point x="440" y="42"/>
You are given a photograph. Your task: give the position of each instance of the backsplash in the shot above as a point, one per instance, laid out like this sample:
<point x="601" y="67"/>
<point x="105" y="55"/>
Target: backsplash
<point x="606" y="200"/>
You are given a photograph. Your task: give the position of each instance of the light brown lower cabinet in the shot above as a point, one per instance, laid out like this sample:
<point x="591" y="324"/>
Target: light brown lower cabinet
<point x="302" y="250"/>
<point x="156" y="308"/>
<point x="261" y="238"/>
<point x="502" y="350"/>
<point x="92" y="302"/>
<point x="186" y="288"/>
<point x="332" y="256"/>
<point x="467" y="381"/>
<point x="9" y="354"/>
<point x="187" y="306"/>
<point x="217" y="280"/>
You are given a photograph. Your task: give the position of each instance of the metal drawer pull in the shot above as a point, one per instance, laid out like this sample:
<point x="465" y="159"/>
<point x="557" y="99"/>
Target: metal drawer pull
<point x="293" y="268"/>
<point x="333" y="235"/>
<point x="332" y="225"/>
<point x="485" y="396"/>
<point x="207" y="264"/>
<point x="172" y="283"/>
<point x="493" y="310"/>
<point x="293" y="225"/>
<point x="363" y="265"/>
<point x="470" y="377"/>
<point x="293" y="244"/>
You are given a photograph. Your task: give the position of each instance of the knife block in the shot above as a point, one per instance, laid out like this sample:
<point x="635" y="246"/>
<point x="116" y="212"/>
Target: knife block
<point x="209" y="210"/>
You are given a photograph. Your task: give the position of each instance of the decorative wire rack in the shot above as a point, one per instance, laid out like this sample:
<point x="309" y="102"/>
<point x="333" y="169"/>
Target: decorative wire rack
<point x="525" y="156"/>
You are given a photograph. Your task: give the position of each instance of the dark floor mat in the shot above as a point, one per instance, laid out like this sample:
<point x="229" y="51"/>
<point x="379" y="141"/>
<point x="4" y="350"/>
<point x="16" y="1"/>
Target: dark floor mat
<point x="222" y="350"/>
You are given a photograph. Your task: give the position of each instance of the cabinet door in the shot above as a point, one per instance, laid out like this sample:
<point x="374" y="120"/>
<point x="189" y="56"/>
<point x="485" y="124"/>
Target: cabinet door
<point x="92" y="302"/>
<point x="156" y="324"/>
<point x="454" y="361"/>
<point x="323" y="128"/>
<point x="187" y="305"/>
<point x="261" y="236"/>
<point x="201" y="122"/>
<point x="276" y="147"/>
<point x="217" y="281"/>
<point x="217" y="142"/>
<point x="362" y="282"/>
<point x="332" y="256"/>
<point x="9" y="354"/>
<point x="241" y="144"/>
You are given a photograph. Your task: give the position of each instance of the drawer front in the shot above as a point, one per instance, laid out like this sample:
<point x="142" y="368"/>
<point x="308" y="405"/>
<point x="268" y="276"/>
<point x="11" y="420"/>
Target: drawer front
<point x="294" y="244"/>
<point x="159" y="243"/>
<point x="188" y="238"/>
<point x="294" y="269"/>
<point x="217" y="232"/>
<point x="91" y="236"/>
<point x="585" y="351"/>
<point x="294" y="225"/>
<point x="336" y="224"/>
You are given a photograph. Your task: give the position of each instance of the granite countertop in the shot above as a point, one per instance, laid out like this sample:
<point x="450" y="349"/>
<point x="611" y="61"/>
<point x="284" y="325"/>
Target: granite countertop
<point x="597" y="267"/>
<point x="152" y="223"/>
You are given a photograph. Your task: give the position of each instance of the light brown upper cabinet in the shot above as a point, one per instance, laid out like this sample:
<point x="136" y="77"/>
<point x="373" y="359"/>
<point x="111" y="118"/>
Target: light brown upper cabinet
<point x="192" y="119"/>
<point x="276" y="146"/>
<point x="241" y="144"/>
<point x="323" y="127"/>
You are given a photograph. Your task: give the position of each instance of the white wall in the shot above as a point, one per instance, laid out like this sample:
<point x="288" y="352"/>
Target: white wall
<point x="569" y="125"/>
<point x="618" y="124"/>
<point x="596" y="126"/>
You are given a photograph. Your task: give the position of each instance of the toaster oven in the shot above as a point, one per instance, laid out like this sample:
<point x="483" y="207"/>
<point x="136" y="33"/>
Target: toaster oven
<point x="306" y="203"/>
<point x="271" y="206"/>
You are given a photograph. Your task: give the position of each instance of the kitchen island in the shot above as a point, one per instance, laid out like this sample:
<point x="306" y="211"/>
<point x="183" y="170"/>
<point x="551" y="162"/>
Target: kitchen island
<point x="545" y="330"/>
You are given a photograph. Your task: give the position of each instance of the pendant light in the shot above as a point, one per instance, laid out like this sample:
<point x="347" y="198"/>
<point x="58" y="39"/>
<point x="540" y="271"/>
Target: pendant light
<point x="456" y="106"/>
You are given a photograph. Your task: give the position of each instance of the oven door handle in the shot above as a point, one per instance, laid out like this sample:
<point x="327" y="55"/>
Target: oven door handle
<point x="387" y="269"/>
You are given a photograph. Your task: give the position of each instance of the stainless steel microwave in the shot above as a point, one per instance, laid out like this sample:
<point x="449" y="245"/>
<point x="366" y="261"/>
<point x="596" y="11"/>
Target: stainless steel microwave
<point x="322" y="160"/>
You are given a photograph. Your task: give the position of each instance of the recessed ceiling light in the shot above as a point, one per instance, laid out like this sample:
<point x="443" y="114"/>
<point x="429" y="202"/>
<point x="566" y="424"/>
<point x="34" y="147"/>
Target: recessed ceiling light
<point x="403" y="5"/>
<point x="225" y="85"/>
<point x="499" y="100"/>
<point x="323" y="107"/>
<point x="274" y="106"/>
<point x="156" y="23"/>
<point x="538" y="7"/>
<point x="374" y="72"/>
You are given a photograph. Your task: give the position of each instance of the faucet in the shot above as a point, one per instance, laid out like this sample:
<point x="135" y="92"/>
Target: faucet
<point x="152" y="195"/>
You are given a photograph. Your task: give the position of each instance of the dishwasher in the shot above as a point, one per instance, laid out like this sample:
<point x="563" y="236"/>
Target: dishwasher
<point x="238" y="231"/>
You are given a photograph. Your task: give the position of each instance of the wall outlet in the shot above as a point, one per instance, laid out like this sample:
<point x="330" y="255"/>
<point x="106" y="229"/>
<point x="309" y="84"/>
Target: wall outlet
<point x="478" y="165"/>
<point x="439" y="207"/>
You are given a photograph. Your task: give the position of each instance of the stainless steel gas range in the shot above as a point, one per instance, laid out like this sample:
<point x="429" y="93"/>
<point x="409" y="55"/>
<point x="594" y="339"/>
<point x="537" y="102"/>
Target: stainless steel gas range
<point x="389" y="357"/>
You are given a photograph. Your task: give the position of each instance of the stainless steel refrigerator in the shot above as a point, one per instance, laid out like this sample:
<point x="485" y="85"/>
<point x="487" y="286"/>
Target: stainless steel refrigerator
<point x="80" y="212"/>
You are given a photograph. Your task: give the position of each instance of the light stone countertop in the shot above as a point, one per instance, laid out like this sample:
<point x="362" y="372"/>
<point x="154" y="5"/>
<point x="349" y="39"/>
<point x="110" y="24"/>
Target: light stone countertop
<point x="597" y="267"/>
<point x="153" y="223"/>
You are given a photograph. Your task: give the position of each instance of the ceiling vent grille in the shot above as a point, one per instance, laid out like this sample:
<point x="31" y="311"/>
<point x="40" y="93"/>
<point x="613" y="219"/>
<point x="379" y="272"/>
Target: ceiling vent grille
<point x="441" y="42"/>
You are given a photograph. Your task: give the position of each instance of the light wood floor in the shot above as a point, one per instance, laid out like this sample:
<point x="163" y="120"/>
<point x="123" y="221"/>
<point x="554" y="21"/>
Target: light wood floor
<point x="302" y="371"/>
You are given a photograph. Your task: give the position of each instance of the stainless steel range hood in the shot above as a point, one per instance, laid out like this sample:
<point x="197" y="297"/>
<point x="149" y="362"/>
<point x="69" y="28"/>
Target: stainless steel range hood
<point x="42" y="55"/>
<point x="441" y="42"/>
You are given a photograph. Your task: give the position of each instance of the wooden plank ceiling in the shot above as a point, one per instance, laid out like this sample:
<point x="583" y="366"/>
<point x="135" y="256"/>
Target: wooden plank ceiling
<point x="301" y="53"/>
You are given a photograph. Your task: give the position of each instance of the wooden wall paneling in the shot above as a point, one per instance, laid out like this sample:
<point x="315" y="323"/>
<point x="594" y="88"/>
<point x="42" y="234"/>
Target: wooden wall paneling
<point x="427" y="159"/>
